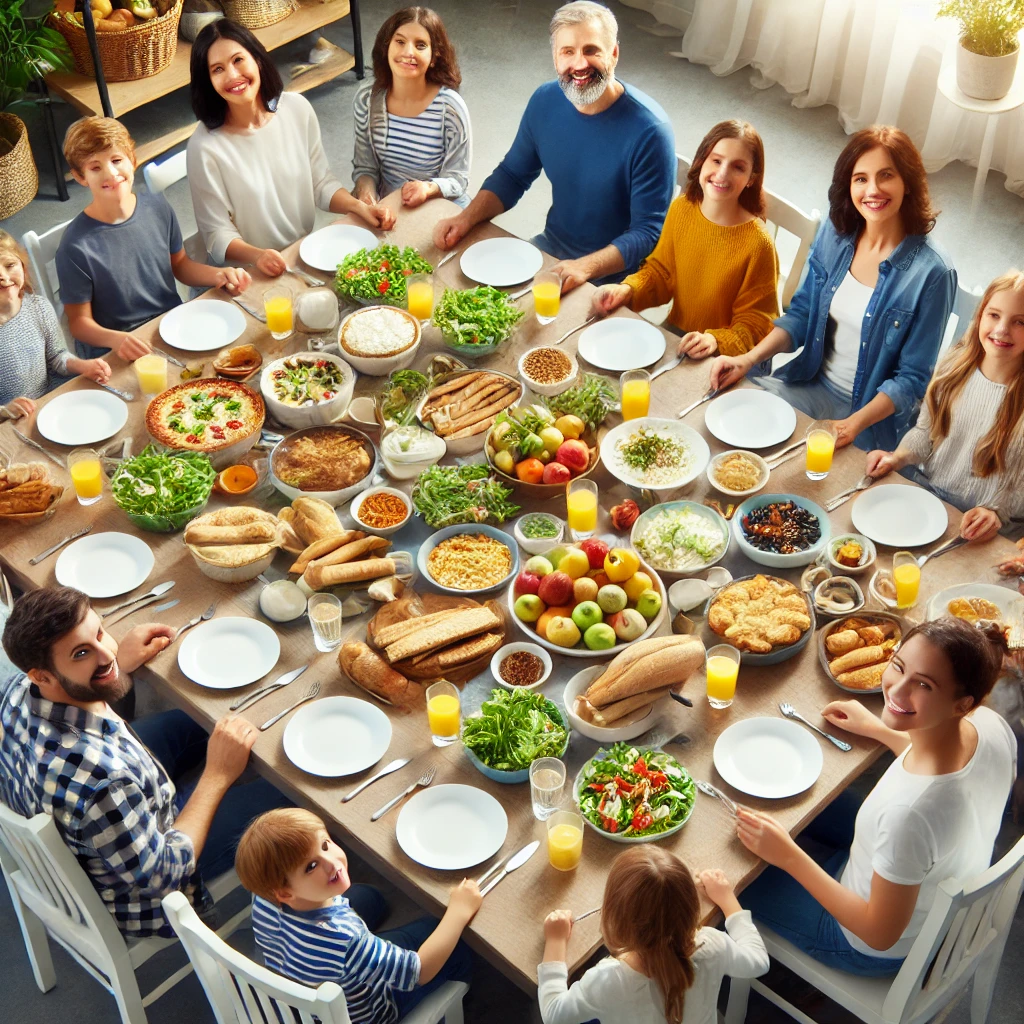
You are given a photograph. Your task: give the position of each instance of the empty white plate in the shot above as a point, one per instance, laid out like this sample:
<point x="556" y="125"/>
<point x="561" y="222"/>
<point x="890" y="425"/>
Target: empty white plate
<point x="337" y="736"/>
<point x="202" y="325"/>
<point x="82" y="417"/>
<point x="501" y="261"/>
<point x="621" y="343"/>
<point x="224" y="653"/>
<point x="104" y="564"/>
<point x="902" y="516"/>
<point x="451" y="827"/>
<point x="326" y="248"/>
<point x="768" y="757"/>
<point x="750" y="418"/>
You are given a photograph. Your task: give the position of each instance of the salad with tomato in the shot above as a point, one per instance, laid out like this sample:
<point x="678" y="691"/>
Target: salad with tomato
<point x="377" y="276"/>
<point x="635" y="793"/>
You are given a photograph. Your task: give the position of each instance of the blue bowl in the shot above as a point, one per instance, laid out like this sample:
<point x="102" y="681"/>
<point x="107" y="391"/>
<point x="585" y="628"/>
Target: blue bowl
<point x="450" y="531"/>
<point x="523" y="774"/>
<point x="771" y="558"/>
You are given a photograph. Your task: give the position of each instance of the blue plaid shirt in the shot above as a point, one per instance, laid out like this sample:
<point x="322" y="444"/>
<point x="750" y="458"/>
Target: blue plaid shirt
<point x="112" y="802"/>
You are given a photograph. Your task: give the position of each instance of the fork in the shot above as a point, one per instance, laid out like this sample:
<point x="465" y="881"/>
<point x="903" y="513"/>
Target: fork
<point x="205" y="617"/>
<point x="708" y="790"/>
<point x="308" y="695"/>
<point x="303" y="276"/>
<point x="791" y="712"/>
<point x="424" y="780"/>
<point x="450" y="256"/>
<point x="844" y="496"/>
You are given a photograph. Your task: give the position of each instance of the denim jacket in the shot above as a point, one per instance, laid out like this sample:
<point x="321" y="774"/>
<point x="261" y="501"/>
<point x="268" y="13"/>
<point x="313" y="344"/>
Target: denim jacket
<point x="903" y="326"/>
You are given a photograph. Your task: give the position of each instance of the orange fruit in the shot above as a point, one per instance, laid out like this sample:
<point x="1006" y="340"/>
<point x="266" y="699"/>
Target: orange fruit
<point x="237" y="479"/>
<point x="546" y="617"/>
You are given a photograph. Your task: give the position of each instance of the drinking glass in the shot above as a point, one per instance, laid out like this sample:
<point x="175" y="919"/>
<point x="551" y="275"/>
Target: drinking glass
<point x="547" y="295"/>
<point x="324" y="612"/>
<point x="443" y="713"/>
<point x="547" y="777"/>
<point x="86" y="475"/>
<point x="722" y="667"/>
<point x="821" y="445"/>
<point x="906" y="574"/>
<point x="635" y="393"/>
<point x="565" y="840"/>
<point x="581" y="508"/>
<point x="152" y="373"/>
<point x="277" y="305"/>
<point x="419" y="288"/>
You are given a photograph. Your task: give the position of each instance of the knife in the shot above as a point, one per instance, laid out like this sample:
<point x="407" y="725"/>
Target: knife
<point x="713" y="393"/>
<point x="126" y="396"/>
<point x="39" y="448"/>
<point x="256" y="695"/>
<point x="251" y="310"/>
<point x="166" y="605"/>
<point x="142" y="603"/>
<point x="158" y="591"/>
<point x="664" y="369"/>
<point x="56" y="547"/>
<point x="169" y="357"/>
<point x="514" y="862"/>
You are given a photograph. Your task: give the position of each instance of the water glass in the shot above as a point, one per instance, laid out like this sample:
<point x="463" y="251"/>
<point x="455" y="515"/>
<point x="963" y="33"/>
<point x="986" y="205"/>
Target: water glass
<point x="444" y="713"/>
<point x="821" y="445"/>
<point x="277" y="306"/>
<point x="324" y="612"/>
<point x="547" y="778"/>
<point x="565" y="840"/>
<point x="86" y="475"/>
<point x="547" y="296"/>
<point x="722" y="666"/>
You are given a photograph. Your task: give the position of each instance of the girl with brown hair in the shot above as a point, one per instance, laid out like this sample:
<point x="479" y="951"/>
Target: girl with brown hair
<point x="969" y="437"/>
<point x="663" y="966"/>
<point x="714" y="260"/>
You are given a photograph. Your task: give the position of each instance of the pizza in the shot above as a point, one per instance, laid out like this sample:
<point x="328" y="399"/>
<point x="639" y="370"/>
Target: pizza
<point x="205" y="415"/>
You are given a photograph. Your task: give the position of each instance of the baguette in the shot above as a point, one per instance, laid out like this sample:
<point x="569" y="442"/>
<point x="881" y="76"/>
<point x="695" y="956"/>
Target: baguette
<point x="389" y="634"/>
<point x="863" y="678"/>
<point x="247" y="533"/>
<point x="856" y="659"/>
<point x="464" y="394"/>
<point x="351" y="552"/>
<point x="458" y="384"/>
<point x="843" y="641"/>
<point x="669" y="666"/>
<point x="455" y="654"/>
<point x="371" y="672"/>
<point x="639" y="649"/>
<point x="464" y="623"/>
<point x="480" y="414"/>
<point x="611" y="713"/>
<point x="484" y="396"/>
<point x="319" y="548"/>
<point x="320" y="577"/>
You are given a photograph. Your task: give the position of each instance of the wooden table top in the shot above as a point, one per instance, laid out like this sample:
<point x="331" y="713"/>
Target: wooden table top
<point x="508" y="928"/>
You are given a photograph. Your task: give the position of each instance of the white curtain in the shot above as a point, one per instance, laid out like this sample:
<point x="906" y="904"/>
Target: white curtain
<point x="877" y="61"/>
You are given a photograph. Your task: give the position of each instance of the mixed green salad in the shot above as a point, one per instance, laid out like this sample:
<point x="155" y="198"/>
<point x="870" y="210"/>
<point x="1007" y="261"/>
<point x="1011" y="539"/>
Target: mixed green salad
<point x="476" y="316"/>
<point x="634" y="793"/>
<point x="401" y="394"/>
<point x="378" y="275"/>
<point x="514" y="728"/>
<point x="163" y="485"/>
<point x="446" y="495"/>
<point x="300" y="381"/>
<point x="591" y="401"/>
<point x="680" y="539"/>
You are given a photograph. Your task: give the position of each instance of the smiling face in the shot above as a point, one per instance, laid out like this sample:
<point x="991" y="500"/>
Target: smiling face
<point x="12" y="278"/>
<point x="727" y="171"/>
<point x="919" y="688"/>
<point x="84" y="665"/>
<point x="234" y="73"/>
<point x="1001" y="327"/>
<point x="876" y="188"/>
<point x="409" y="53"/>
<point x="108" y="174"/>
<point x="322" y="875"/>
<point x="585" y="59"/>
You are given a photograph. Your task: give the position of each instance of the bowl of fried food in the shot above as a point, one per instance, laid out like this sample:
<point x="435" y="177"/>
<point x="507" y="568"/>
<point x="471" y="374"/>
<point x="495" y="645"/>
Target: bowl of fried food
<point x="26" y="492"/>
<point x="233" y="545"/>
<point x="329" y="462"/>
<point x="854" y="651"/>
<point x="738" y="473"/>
<point x="780" y="530"/>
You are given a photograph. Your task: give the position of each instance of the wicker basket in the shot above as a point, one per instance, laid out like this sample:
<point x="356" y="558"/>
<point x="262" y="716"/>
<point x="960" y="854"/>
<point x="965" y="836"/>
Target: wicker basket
<point x="19" y="179"/>
<point x="140" y="51"/>
<point x="258" y="13"/>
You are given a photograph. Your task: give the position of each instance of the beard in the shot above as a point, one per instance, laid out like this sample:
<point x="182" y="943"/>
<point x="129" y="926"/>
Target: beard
<point x="582" y="94"/>
<point x="92" y="691"/>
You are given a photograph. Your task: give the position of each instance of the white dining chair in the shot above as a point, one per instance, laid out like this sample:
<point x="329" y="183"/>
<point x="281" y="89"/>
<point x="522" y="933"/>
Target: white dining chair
<point x="54" y="899"/>
<point x="966" y="303"/>
<point x="159" y="177"/>
<point x="961" y="942"/>
<point x="243" y="992"/>
<point x="42" y="253"/>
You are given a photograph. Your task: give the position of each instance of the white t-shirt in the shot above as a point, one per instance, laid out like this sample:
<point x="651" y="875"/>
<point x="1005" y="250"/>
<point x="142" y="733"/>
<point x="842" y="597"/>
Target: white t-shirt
<point x="848" y="308"/>
<point x="616" y="994"/>
<point x="923" y="829"/>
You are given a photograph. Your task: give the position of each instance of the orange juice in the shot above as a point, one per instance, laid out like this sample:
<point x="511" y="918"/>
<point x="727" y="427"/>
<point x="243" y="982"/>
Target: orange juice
<point x="546" y="298"/>
<point x="87" y="478"/>
<point x="820" y="448"/>
<point x="722" y="673"/>
<point x="581" y="509"/>
<point x="152" y="373"/>
<point x="421" y="299"/>
<point x="565" y="846"/>
<point x="279" y="314"/>
<point x="443" y="715"/>
<point x="908" y="579"/>
<point x="636" y="399"/>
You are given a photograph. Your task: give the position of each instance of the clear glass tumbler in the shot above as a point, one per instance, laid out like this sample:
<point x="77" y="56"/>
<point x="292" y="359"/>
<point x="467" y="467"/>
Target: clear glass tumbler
<point x="444" y="712"/>
<point x="324" y="612"/>
<point x="547" y="778"/>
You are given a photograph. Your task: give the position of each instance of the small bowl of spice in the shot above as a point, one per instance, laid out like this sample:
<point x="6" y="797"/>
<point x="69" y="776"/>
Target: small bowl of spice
<point x="548" y="371"/>
<point x="381" y="510"/>
<point x="521" y="666"/>
<point x="537" y="532"/>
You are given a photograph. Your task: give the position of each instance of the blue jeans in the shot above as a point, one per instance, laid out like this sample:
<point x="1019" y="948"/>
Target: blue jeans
<point x="782" y="903"/>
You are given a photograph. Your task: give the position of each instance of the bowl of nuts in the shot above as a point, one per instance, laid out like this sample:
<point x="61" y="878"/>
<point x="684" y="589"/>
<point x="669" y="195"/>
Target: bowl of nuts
<point x="547" y="370"/>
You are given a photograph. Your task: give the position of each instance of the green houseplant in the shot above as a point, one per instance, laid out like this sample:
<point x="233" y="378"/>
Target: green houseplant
<point x="989" y="44"/>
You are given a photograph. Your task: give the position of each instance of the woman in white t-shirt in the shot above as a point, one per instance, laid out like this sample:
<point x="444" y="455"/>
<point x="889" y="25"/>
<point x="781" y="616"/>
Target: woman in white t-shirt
<point x="933" y="815"/>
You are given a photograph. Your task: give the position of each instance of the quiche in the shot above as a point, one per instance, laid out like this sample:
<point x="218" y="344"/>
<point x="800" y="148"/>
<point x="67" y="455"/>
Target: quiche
<point x="205" y="415"/>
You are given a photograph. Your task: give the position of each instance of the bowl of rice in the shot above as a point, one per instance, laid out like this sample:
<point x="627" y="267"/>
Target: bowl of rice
<point x="679" y="538"/>
<point x="379" y="339"/>
<point x="738" y="473"/>
<point x="658" y="454"/>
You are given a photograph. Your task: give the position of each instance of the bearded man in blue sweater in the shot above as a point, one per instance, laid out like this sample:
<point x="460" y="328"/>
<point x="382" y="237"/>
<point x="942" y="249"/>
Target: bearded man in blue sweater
<point x="606" y="148"/>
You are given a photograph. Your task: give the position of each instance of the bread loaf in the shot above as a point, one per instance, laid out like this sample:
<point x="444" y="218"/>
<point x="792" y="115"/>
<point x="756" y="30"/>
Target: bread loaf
<point x="369" y="670"/>
<point x="464" y="623"/>
<point x="667" y="666"/>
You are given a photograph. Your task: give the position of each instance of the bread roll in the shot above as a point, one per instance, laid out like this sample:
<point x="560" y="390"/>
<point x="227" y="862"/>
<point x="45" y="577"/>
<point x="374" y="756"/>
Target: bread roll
<point x="369" y="670"/>
<point x="843" y="641"/>
<point x="319" y="548"/>
<point x="868" y="678"/>
<point x="352" y="551"/>
<point x="321" y="577"/>
<point x="856" y="659"/>
<point x="246" y="533"/>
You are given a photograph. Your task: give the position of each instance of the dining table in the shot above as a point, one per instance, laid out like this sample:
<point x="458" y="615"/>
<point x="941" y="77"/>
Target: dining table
<point x="507" y="930"/>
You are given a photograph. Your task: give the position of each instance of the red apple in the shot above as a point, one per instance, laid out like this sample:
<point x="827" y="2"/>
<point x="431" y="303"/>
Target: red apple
<point x="595" y="550"/>
<point x="526" y="583"/>
<point x="556" y="473"/>
<point x="573" y="454"/>
<point x="555" y="588"/>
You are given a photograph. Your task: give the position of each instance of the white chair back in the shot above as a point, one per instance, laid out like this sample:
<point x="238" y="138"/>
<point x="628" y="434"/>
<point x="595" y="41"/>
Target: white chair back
<point x="42" y="251"/>
<point x="966" y="303"/>
<point x="160" y="176"/>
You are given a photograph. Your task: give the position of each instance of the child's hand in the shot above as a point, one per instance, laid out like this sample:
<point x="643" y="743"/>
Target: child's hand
<point x="234" y="280"/>
<point x="375" y="215"/>
<point x="97" y="370"/>
<point x="465" y="900"/>
<point x="415" y="193"/>
<point x="558" y="926"/>
<point x="22" y="407"/>
<point x="698" y="345"/>
<point x="271" y="263"/>
<point x="880" y="463"/>
<point x="717" y="886"/>
<point x="131" y="348"/>
<point x="979" y="524"/>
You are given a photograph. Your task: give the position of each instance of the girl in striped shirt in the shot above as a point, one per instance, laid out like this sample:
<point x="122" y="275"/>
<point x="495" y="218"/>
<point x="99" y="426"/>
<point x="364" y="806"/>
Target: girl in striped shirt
<point x="969" y="436"/>
<point x="412" y="127"/>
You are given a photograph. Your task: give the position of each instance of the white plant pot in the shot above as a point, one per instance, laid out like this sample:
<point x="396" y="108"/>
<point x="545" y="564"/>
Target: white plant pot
<point x="985" y="78"/>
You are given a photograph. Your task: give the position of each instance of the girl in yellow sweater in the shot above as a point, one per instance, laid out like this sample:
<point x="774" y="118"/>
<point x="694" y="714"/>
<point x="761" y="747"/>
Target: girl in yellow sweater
<point x="715" y="260"/>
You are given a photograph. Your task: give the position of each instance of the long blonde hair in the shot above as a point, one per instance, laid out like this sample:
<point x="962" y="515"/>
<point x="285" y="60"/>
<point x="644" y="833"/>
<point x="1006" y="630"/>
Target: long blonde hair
<point x="952" y="373"/>
<point x="651" y="908"/>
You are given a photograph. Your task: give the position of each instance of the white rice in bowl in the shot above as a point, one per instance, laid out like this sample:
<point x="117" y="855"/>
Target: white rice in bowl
<point x="380" y="331"/>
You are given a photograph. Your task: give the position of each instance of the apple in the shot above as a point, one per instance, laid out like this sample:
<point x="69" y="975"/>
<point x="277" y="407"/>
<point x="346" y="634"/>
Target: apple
<point x="599" y="637"/>
<point x="584" y="589"/>
<point x="637" y="584"/>
<point x="556" y="473"/>
<point x="628" y="624"/>
<point x="648" y="604"/>
<point x="573" y="454"/>
<point x="556" y="588"/>
<point x="555" y="555"/>
<point x="552" y="438"/>
<point x="503" y="460"/>
<point x="570" y="426"/>
<point x="611" y="599"/>
<point x="526" y="583"/>
<point x="596" y="550"/>
<point x="538" y="566"/>
<point x="575" y="563"/>
<point x="528" y="608"/>
<point x="552" y="613"/>
<point x="563" y="632"/>
<point x="586" y="614"/>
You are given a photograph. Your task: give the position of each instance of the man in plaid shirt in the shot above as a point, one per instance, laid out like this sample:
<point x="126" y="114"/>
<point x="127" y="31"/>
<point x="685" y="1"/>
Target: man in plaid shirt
<point x="109" y="787"/>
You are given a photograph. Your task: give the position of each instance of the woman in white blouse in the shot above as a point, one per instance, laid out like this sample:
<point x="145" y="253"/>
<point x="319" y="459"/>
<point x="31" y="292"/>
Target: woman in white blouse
<point x="256" y="163"/>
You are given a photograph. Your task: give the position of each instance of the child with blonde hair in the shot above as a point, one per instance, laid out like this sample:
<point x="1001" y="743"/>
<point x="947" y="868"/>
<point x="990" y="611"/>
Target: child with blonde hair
<point x="663" y="967"/>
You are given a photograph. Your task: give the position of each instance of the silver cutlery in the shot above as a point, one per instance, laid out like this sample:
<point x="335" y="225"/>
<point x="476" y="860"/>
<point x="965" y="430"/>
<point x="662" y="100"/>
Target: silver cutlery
<point x="39" y="448"/>
<point x="56" y="547"/>
<point x="501" y="862"/>
<point x="158" y="591"/>
<point x="392" y="766"/>
<point x="708" y="790"/>
<point x="251" y="310"/>
<point x="308" y="695"/>
<point x="657" y="739"/>
<point x="243" y="703"/>
<point x="131" y="611"/>
<point x="514" y="862"/>
<point x="664" y="369"/>
<point x="424" y="780"/>
<point x="205" y="617"/>
<point x="776" y="458"/>
<point x="791" y="712"/>
<point x="706" y="397"/>
<point x="844" y="496"/>
<point x="522" y="291"/>
<point x="942" y="549"/>
<point x="126" y="395"/>
<point x="167" y="604"/>
<point x="586" y="914"/>
<point x="446" y="259"/>
<point x="315" y="282"/>
<point x="174" y="360"/>
<point x="579" y="327"/>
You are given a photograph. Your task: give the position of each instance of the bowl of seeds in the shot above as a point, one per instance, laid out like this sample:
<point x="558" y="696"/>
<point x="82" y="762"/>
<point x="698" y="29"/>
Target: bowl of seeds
<point x="548" y="371"/>
<point x="521" y="666"/>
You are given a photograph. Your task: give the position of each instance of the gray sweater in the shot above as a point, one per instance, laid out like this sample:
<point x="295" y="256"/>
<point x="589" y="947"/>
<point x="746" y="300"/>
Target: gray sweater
<point x="31" y="344"/>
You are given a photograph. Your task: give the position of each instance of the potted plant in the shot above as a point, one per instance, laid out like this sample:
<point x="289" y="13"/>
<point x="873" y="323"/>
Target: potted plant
<point x="28" y="51"/>
<point x="986" y="59"/>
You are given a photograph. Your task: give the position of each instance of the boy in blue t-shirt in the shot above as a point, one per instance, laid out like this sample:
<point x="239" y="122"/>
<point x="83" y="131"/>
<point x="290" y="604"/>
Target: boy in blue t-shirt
<point x="118" y="258"/>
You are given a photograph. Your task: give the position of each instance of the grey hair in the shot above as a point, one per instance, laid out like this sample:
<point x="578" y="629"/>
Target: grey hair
<point x="580" y="11"/>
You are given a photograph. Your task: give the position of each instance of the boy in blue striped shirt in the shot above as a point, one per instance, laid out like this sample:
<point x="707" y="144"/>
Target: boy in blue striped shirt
<point x="314" y="926"/>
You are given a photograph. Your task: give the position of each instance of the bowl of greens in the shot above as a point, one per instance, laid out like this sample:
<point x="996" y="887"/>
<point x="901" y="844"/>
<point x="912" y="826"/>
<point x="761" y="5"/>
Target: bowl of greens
<point x="375" y="277"/>
<point x="591" y="400"/>
<point x="680" y="538"/>
<point x="512" y="730"/>
<point x="474" y="322"/>
<point x="631" y="794"/>
<point x="449" y="495"/>
<point x="161" y="490"/>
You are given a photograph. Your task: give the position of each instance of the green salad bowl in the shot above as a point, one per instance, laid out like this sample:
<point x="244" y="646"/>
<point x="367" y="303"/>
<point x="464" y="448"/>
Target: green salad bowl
<point x="522" y="774"/>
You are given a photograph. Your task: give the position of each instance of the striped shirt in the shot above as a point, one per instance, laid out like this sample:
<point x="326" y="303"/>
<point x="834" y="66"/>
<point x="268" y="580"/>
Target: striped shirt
<point x="31" y="343"/>
<point x="333" y="944"/>
<point x="434" y="146"/>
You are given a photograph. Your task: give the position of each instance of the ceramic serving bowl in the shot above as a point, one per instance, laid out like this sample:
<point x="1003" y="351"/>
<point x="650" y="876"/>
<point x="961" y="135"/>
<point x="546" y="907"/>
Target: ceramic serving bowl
<point x="337" y="497"/>
<point x="867" y="557"/>
<point x="537" y="545"/>
<point x="775" y="559"/>
<point x="645" y="519"/>
<point x="380" y="531"/>
<point x="312" y="415"/>
<point x="627" y="728"/>
<point x="503" y="652"/>
<point x="521" y="774"/>
<point x="762" y="480"/>
<point x="380" y="366"/>
<point x="435" y="538"/>
<point x="827" y="631"/>
<point x="549" y="389"/>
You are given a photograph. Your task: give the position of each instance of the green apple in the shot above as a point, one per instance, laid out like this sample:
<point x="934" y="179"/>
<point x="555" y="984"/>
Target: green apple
<point x="648" y="604"/>
<point x="611" y="598"/>
<point x="529" y="608"/>
<point x="599" y="637"/>
<point x="563" y="632"/>
<point x="575" y="563"/>
<point x="552" y="438"/>
<point x="586" y="614"/>
<point x="555" y="556"/>
<point x="538" y="565"/>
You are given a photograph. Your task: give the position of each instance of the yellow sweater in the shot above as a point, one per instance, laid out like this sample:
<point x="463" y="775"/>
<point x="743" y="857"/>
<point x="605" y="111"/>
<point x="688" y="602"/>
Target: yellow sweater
<point x="722" y="280"/>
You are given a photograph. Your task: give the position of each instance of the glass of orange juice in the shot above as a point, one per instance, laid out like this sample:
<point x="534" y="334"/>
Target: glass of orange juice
<point x="443" y="713"/>
<point x="86" y="475"/>
<point x="581" y="508"/>
<point x="635" y="393"/>
<point x="722" y="666"/>
<point x="906" y="574"/>
<point x="419" y="289"/>
<point x="152" y="373"/>
<point x="277" y="305"/>
<point x="821" y="445"/>
<point x="547" y="295"/>
<point x="565" y="840"/>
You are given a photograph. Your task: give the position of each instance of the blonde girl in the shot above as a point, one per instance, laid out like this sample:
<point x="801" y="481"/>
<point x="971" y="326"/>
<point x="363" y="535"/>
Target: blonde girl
<point x="663" y="967"/>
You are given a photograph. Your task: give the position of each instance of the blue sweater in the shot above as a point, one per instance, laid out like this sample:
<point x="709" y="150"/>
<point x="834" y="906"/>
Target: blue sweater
<point x="612" y="174"/>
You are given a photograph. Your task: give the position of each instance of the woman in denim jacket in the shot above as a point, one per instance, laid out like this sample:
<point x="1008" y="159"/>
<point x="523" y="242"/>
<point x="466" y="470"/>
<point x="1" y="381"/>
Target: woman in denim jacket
<point x="869" y="316"/>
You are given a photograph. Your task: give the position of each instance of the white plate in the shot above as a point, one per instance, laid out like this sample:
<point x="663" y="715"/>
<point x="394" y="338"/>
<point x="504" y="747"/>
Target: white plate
<point x="337" y="736"/>
<point x="1008" y="601"/>
<point x="621" y="343"/>
<point x="82" y="417"/>
<point x="902" y="516"/>
<point x="451" y="827"/>
<point x="202" y="325"/>
<point x="105" y="564"/>
<point x="750" y="418"/>
<point x="768" y="757"/>
<point x="224" y="653"/>
<point x="699" y="451"/>
<point x="326" y="248"/>
<point x="501" y="261"/>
